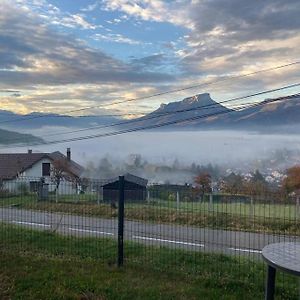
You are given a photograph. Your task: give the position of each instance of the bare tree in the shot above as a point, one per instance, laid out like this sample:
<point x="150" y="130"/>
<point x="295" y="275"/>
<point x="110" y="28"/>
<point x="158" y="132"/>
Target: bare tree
<point x="59" y="172"/>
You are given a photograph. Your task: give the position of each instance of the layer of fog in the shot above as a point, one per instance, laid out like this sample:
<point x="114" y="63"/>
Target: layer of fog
<point x="227" y="149"/>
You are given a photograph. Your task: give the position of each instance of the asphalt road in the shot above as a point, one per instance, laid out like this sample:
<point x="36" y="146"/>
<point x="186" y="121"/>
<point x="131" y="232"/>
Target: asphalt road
<point x="174" y="236"/>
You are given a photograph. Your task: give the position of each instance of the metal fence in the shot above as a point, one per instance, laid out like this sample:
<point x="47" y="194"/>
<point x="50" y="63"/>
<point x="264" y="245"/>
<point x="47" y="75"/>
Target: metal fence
<point x="161" y="226"/>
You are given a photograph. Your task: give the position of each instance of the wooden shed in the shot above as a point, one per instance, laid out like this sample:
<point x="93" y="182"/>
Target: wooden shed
<point x="135" y="189"/>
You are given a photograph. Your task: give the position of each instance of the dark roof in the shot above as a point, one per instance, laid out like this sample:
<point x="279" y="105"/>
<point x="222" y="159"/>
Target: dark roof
<point x="12" y="164"/>
<point x="72" y="166"/>
<point x="129" y="178"/>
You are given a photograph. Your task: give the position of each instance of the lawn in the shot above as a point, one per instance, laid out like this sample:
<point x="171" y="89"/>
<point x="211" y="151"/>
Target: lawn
<point x="43" y="265"/>
<point x="278" y="211"/>
<point x="267" y="210"/>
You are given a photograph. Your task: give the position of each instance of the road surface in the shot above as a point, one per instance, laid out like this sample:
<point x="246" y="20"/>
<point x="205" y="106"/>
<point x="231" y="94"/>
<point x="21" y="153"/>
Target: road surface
<point x="174" y="236"/>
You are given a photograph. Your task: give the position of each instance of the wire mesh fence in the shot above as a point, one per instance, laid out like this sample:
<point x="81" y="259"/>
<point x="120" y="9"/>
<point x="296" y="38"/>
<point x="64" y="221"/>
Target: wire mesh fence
<point x="165" y="227"/>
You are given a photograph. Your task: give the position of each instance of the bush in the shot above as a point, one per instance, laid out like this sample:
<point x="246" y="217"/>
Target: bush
<point x="172" y="197"/>
<point x="3" y="191"/>
<point x="23" y="188"/>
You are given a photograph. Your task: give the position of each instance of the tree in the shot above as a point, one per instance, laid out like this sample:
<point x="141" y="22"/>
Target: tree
<point x="82" y="184"/>
<point x="257" y="185"/>
<point x="292" y="181"/>
<point x="60" y="171"/>
<point x="203" y="183"/>
<point x="233" y="183"/>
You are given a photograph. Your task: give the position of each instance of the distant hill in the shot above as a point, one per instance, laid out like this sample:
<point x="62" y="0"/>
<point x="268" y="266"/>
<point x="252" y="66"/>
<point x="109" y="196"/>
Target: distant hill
<point x="11" y="137"/>
<point x="285" y="112"/>
<point x="36" y="120"/>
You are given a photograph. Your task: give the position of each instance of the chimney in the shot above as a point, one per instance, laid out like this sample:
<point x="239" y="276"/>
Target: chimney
<point x="29" y="151"/>
<point x="69" y="154"/>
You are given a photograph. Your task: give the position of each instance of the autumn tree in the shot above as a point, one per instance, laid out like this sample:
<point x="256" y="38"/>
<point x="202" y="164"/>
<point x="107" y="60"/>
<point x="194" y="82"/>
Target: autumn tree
<point x="203" y="184"/>
<point x="292" y="181"/>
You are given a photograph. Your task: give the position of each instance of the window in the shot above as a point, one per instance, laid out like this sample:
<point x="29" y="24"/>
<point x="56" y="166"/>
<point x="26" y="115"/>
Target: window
<point x="46" y="169"/>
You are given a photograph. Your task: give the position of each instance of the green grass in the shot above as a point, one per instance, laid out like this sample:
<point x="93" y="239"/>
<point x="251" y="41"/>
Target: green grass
<point x="280" y="211"/>
<point x="43" y="265"/>
<point x="279" y="218"/>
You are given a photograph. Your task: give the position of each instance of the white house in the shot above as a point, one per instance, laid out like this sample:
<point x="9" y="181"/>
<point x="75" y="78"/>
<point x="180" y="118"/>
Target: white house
<point x="29" y="168"/>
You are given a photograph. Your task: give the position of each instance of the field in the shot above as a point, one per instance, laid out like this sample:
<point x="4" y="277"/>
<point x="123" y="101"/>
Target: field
<point x="43" y="265"/>
<point x="257" y="217"/>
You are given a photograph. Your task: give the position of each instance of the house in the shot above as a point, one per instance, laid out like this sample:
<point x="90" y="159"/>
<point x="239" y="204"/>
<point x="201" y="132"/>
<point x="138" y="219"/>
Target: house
<point x="135" y="189"/>
<point x="29" y="168"/>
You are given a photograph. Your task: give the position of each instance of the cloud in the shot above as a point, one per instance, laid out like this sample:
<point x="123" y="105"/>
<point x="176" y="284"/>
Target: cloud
<point x="53" y="71"/>
<point x="115" y="21"/>
<point x="224" y="37"/>
<point x="62" y="98"/>
<point x="229" y="36"/>
<point x="151" y="60"/>
<point x="55" y="16"/>
<point x="151" y="10"/>
<point x="90" y="7"/>
<point x="16" y="95"/>
<point x="9" y="91"/>
<point x="73" y="21"/>
<point x="115" y="37"/>
<point x="46" y="57"/>
<point x="157" y="61"/>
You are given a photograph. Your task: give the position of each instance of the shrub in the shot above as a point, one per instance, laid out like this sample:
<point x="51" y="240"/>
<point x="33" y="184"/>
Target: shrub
<point x="23" y="188"/>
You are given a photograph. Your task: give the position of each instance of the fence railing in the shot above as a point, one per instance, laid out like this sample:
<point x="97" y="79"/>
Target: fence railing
<point x="160" y="226"/>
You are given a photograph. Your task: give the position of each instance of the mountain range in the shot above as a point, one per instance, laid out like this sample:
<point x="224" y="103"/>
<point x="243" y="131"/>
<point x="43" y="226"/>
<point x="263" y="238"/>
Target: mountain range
<point x="199" y="112"/>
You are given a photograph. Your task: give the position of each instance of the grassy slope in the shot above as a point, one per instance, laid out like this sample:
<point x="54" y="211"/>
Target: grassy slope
<point x="39" y="265"/>
<point x="12" y="137"/>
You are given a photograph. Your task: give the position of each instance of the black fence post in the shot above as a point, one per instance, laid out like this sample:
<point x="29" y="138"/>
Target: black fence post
<point x="121" y="221"/>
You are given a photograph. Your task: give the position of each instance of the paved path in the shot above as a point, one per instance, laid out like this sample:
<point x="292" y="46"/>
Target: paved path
<point x="175" y="236"/>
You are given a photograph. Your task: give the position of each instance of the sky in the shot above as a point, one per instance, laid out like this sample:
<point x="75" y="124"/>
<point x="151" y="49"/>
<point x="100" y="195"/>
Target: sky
<point x="59" y="55"/>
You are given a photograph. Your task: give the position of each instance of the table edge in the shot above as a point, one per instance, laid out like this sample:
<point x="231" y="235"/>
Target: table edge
<point x="272" y="264"/>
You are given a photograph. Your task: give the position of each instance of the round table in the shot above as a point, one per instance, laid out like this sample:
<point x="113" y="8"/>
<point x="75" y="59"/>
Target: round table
<point x="282" y="256"/>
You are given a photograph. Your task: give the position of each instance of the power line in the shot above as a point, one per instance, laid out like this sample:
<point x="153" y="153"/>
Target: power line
<point x="156" y="115"/>
<point x="146" y="127"/>
<point x="155" y="125"/>
<point x="242" y="106"/>
<point x="157" y="94"/>
<point x="67" y="116"/>
<point x="112" y="133"/>
<point x="153" y="115"/>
